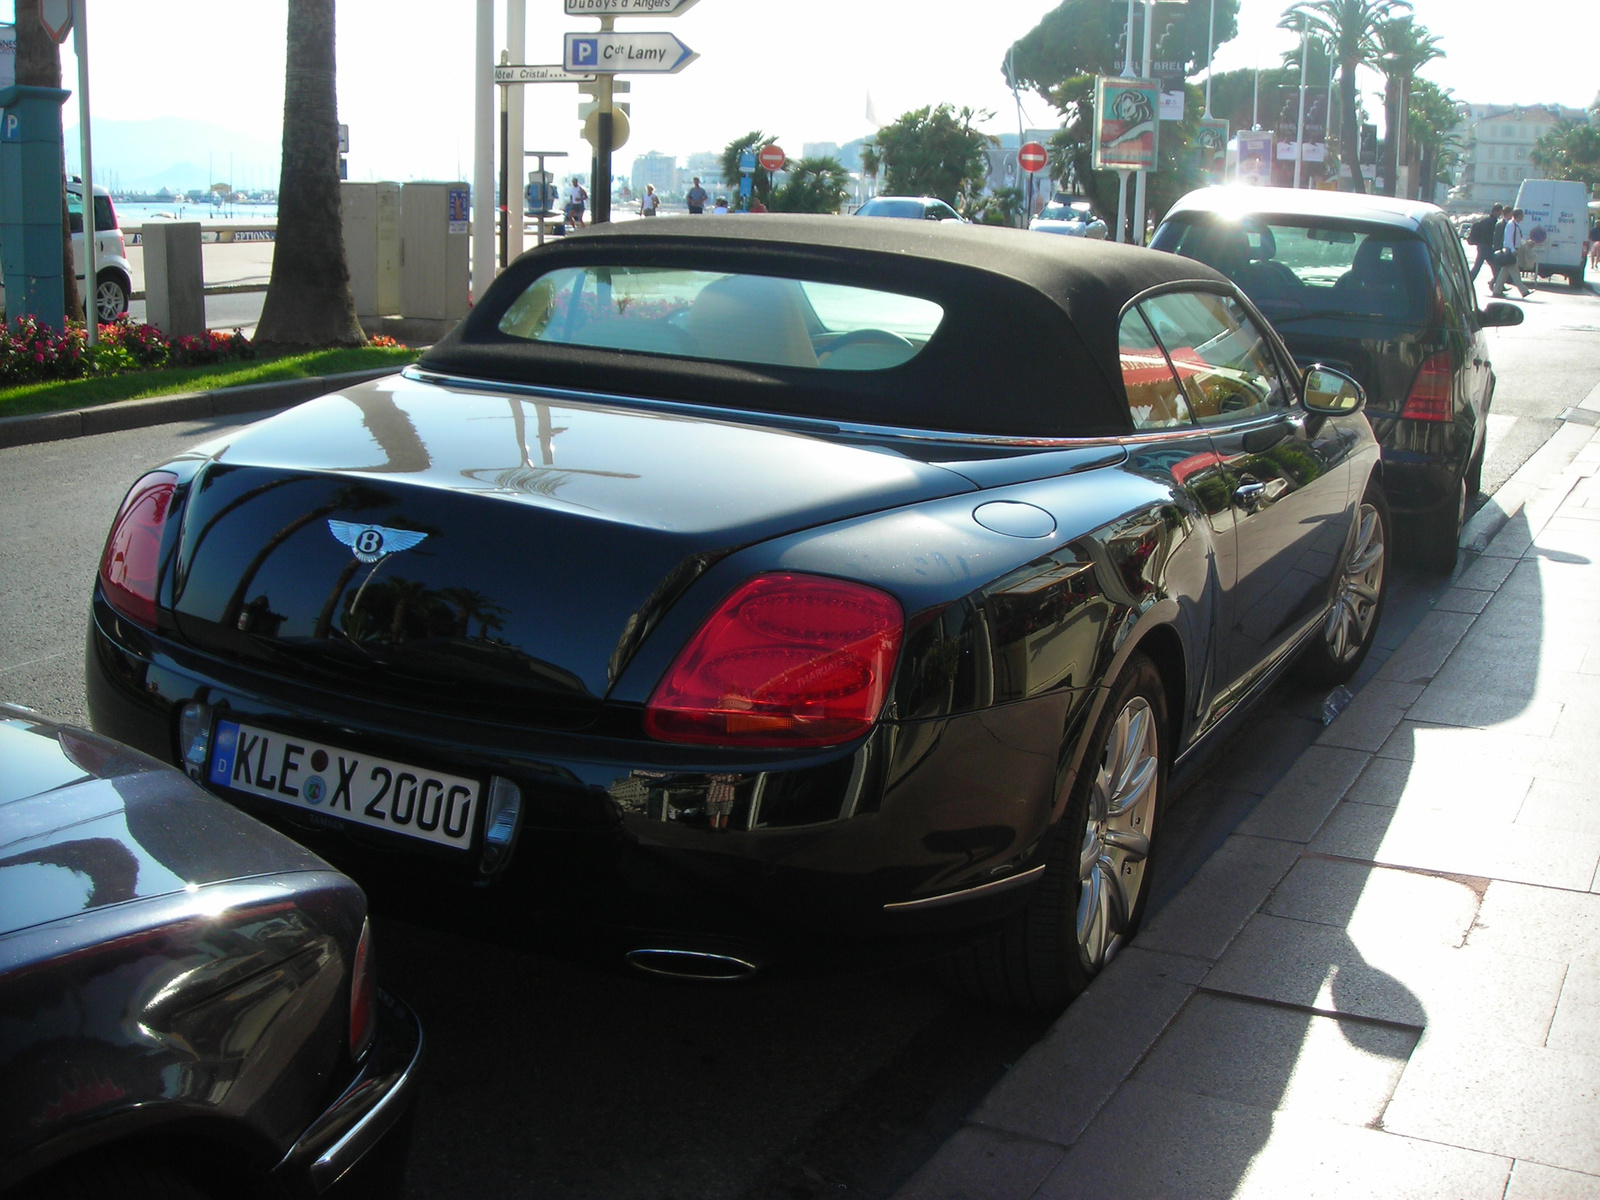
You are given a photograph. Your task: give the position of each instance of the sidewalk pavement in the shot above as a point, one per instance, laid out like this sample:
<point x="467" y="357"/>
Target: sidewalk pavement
<point x="1387" y="981"/>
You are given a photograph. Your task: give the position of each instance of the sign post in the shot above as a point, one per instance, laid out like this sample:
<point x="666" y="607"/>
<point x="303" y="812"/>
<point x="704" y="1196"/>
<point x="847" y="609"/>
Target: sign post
<point x="1032" y="159"/>
<point x="1125" y="132"/>
<point x="612" y="52"/>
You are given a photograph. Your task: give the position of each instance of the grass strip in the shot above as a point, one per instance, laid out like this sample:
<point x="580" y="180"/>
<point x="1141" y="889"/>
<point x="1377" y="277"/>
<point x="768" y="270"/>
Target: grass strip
<point x="57" y="395"/>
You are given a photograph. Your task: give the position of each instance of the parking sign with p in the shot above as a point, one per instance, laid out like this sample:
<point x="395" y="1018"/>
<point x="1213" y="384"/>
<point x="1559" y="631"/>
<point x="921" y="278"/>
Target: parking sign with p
<point x="583" y="53"/>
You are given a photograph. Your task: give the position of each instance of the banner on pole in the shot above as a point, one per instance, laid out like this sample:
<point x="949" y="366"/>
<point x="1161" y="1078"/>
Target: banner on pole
<point x="1211" y="146"/>
<point x="1126" y="123"/>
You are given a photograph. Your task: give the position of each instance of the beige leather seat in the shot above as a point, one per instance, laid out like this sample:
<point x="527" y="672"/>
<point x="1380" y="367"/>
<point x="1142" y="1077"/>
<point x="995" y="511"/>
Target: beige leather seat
<point x="751" y="318"/>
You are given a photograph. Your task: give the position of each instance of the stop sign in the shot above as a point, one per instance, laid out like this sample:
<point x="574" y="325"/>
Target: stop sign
<point x="772" y="158"/>
<point x="1032" y="157"/>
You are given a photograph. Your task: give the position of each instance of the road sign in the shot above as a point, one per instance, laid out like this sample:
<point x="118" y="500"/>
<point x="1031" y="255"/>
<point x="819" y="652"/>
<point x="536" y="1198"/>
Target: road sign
<point x="747" y="161"/>
<point x="541" y="73"/>
<point x="772" y="158"/>
<point x="56" y="17"/>
<point x="620" y="128"/>
<point x="628" y="8"/>
<point x="612" y="53"/>
<point x="1032" y="157"/>
<point x="344" y="138"/>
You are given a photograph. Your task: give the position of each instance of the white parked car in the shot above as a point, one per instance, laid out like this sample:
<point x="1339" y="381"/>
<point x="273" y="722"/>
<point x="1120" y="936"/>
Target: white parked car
<point x="114" y="282"/>
<point x="1073" y="218"/>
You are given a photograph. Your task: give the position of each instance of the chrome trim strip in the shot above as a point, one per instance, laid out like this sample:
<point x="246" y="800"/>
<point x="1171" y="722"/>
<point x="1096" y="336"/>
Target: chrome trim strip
<point x="973" y="893"/>
<point x="789" y="420"/>
<point x="742" y="968"/>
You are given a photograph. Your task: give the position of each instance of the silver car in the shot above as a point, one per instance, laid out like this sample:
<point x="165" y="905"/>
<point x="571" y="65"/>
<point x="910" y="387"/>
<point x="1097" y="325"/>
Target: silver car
<point x="114" y="282"/>
<point x="1073" y="218"/>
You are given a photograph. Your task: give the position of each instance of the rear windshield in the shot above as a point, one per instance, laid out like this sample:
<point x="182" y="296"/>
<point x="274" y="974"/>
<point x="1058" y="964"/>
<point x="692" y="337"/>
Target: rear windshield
<point x="882" y="207"/>
<point x="1293" y="267"/>
<point x="723" y="317"/>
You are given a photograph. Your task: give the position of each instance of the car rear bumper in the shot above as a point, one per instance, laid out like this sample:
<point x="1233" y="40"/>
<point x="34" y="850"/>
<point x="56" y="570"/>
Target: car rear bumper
<point x="907" y="832"/>
<point x="342" y="1146"/>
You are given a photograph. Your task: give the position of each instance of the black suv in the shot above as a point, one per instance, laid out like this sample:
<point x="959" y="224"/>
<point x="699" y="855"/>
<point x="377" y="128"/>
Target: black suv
<point x="1379" y="289"/>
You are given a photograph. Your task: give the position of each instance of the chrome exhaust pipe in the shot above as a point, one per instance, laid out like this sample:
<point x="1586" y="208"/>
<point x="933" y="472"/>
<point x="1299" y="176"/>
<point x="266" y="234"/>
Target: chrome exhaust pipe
<point x="700" y="966"/>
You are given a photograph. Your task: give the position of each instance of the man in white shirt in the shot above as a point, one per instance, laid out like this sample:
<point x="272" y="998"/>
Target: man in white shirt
<point x="1509" y="247"/>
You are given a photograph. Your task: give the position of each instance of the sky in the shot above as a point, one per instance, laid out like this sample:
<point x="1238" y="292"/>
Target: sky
<point x="800" y="69"/>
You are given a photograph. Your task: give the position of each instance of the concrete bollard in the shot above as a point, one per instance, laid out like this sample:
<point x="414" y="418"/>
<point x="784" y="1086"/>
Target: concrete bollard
<point x="174" y="280"/>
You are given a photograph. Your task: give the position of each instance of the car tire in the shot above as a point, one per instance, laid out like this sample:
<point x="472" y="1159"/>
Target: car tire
<point x="1345" y="636"/>
<point x="109" y="1177"/>
<point x="1096" y="880"/>
<point x="1436" y="535"/>
<point x="111" y="296"/>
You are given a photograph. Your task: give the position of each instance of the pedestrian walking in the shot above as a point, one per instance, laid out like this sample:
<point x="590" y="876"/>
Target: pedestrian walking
<point x="1594" y="244"/>
<point x="697" y="198"/>
<point x="1481" y="238"/>
<point x="1507" y="262"/>
<point x="649" y="202"/>
<point x="577" y="201"/>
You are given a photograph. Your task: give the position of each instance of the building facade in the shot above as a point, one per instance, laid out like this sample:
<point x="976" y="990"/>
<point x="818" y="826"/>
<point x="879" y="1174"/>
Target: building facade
<point x="1497" y="140"/>
<point x="653" y="167"/>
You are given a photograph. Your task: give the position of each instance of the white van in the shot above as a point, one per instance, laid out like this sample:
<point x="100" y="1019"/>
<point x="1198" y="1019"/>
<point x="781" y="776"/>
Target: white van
<point x="1555" y="213"/>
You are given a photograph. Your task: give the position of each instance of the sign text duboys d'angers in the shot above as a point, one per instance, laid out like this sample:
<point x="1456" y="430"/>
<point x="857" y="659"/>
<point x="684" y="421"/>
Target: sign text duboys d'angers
<point x="1125" y="124"/>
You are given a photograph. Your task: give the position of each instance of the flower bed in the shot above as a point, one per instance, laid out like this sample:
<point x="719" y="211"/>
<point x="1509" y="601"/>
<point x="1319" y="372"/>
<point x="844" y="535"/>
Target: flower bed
<point x="34" y="353"/>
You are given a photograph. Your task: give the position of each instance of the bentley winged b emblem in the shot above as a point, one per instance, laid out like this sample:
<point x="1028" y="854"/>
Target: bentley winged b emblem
<point x="370" y="543"/>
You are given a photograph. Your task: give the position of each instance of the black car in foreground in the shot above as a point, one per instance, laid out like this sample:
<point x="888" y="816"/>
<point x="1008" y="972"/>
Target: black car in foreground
<point x="727" y="579"/>
<point x="187" y="999"/>
<point x="1378" y="288"/>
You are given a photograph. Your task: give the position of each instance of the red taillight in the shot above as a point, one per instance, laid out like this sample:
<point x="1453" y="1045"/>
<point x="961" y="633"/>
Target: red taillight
<point x="1430" y="397"/>
<point x="132" y="557"/>
<point x="786" y="660"/>
<point x="362" y="974"/>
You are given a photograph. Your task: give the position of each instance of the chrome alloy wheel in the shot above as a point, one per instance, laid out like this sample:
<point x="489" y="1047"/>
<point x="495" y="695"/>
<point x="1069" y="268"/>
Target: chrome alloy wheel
<point x="1116" y="837"/>
<point x="1355" y="605"/>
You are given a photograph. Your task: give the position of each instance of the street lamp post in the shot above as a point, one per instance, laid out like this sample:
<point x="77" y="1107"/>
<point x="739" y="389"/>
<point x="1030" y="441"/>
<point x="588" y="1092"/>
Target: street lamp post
<point x="1300" y="130"/>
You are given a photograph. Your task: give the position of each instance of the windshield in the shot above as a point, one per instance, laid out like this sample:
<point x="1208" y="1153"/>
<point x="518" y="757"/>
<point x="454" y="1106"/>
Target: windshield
<point x="727" y="317"/>
<point x="1290" y="266"/>
<point x="1062" y="212"/>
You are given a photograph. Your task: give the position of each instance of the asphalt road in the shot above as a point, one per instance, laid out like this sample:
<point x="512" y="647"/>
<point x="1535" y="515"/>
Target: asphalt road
<point x="556" y="1074"/>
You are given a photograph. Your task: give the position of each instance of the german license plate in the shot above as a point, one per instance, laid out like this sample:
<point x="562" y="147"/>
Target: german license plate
<point x="362" y="788"/>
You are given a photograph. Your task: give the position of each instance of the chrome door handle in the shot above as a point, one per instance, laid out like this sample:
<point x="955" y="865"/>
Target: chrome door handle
<point x="1250" y="494"/>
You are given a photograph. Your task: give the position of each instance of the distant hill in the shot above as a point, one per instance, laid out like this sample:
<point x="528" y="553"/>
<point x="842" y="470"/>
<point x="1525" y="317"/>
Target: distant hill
<point x="176" y="152"/>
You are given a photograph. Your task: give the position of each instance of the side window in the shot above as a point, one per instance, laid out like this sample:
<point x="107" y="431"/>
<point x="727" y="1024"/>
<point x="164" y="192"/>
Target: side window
<point x="1155" y="400"/>
<point x="1225" y="362"/>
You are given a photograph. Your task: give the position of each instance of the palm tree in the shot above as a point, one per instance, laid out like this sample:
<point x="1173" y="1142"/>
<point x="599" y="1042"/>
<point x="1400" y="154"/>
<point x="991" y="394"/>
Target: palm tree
<point x="1404" y="47"/>
<point x="1351" y="27"/>
<point x="308" y="298"/>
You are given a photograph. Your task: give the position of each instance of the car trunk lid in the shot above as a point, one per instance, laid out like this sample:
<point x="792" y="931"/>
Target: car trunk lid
<point x="458" y="551"/>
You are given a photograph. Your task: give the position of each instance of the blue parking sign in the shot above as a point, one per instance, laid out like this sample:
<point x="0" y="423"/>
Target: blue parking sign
<point x="582" y="52"/>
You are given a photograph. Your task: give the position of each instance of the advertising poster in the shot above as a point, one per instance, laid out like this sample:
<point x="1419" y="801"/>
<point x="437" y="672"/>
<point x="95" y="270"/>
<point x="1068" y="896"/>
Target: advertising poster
<point x="1126" y="124"/>
<point x="8" y="55"/>
<point x="460" y="203"/>
<point x="1211" y="141"/>
<point x="1255" y="157"/>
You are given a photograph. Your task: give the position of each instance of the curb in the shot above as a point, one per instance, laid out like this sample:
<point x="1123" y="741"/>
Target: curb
<point x="1548" y="461"/>
<point x="183" y="406"/>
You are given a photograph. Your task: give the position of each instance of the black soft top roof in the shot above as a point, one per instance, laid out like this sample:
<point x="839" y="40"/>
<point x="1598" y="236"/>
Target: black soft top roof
<point x="1027" y="347"/>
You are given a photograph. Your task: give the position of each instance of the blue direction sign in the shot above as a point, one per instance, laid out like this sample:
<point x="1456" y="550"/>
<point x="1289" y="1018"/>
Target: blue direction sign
<point x="619" y="52"/>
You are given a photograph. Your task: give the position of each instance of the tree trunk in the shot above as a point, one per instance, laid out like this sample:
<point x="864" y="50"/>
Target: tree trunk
<point x="1350" y="135"/>
<point x="39" y="65"/>
<point x="1391" y="135"/>
<point x="308" y="301"/>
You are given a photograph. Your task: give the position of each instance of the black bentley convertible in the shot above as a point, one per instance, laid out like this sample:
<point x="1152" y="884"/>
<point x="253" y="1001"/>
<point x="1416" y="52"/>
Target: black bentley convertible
<point x="767" y="574"/>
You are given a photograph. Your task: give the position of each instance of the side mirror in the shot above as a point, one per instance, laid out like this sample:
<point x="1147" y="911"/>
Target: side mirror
<point x="1331" y="393"/>
<point x="1499" y="313"/>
